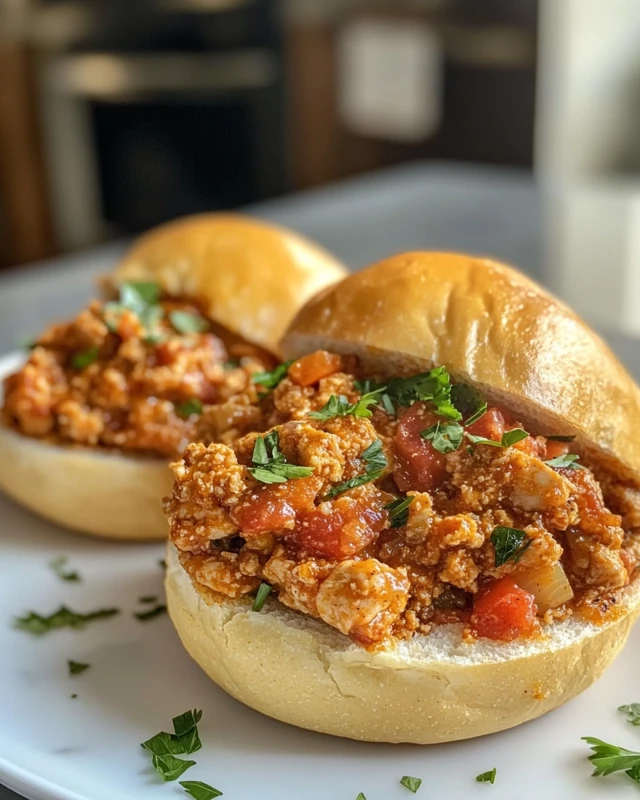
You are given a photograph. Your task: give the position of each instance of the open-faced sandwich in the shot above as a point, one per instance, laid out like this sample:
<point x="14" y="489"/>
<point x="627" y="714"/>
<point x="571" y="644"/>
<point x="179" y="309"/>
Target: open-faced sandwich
<point x="90" y="422"/>
<point x="432" y="531"/>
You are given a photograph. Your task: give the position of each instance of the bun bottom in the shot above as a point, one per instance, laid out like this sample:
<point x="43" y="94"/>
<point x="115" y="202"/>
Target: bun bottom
<point x="431" y="689"/>
<point x="92" y="492"/>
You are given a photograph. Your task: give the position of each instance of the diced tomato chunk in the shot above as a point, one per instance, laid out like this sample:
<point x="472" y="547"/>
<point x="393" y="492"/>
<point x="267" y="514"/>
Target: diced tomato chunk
<point x="310" y="369"/>
<point x="419" y="466"/>
<point x="274" y="507"/>
<point x="346" y="528"/>
<point x="504" y="611"/>
<point x="491" y="425"/>
<point x="555" y="449"/>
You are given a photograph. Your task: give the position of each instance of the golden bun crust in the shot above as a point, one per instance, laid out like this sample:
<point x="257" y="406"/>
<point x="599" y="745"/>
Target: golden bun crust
<point x="491" y="327"/>
<point x="432" y="689"/>
<point x="90" y="491"/>
<point x="250" y="276"/>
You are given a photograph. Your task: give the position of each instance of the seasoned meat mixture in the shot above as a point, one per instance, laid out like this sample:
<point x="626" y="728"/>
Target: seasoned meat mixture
<point x="143" y="374"/>
<point x="386" y="509"/>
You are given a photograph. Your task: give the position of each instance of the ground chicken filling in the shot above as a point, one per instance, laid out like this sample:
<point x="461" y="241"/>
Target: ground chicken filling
<point x="386" y="510"/>
<point x="143" y="374"/>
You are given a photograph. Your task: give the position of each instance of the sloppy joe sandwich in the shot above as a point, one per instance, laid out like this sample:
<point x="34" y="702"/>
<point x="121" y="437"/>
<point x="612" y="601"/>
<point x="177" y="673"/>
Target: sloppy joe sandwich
<point x="90" y="422"/>
<point x="433" y="530"/>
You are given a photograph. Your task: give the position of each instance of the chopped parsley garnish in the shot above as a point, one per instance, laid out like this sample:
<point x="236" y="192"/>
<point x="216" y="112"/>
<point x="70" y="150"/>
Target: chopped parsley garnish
<point x="445" y="437"/>
<point x="432" y="387"/>
<point x="633" y="713"/>
<point x="487" y="777"/>
<point x="76" y="667"/>
<point x="361" y="796"/>
<point x="137" y="295"/>
<point x="148" y="598"/>
<point x="560" y="438"/>
<point x="73" y="696"/>
<point x="510" y="544"/>
<point x="141" y="298"/>
<point x="270" y="464"/>
<point x="271" y="379"/>
<point x="566" y="461"/>
<point x="412" y="784"/>
<point x="508" y="438"/>
<point x="58" y="566"/>
<point x="376" y="465"/>
<point x="399" y="511"/>
<point x="156" y="611"/>
<point x="84" y="358"/>
<point x="609" y="758"/>
<point x="164" y="747"/>
<point x="186" y="322"/>
<point x="264" y="590"/>
<point x="162" y="564"/>
<point x="339" y="406"/>
<point x="37" y="624"/>
<point x="468" y="401"/>
<point x="189" y="407"/>
<point x="200" y="790"/>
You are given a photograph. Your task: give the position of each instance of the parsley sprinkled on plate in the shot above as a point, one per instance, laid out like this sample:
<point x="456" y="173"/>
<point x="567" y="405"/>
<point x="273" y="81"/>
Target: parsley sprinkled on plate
<point x="151" y="613"/>
<point x="58" y="566"/>
<point x="164" y="747"/>
<point x="200" y="790"/>
<point x="633" y="713"/>
<point x="509" y="544"/>
<point x="38" y="625"/>
<point x="76" y="667"/>
<point x="609" y="758"/>
<point x="270" y="465"/>
<point x="487" y="777"/>
<point x="361" y="796"/>
<point x="412" y="784"/>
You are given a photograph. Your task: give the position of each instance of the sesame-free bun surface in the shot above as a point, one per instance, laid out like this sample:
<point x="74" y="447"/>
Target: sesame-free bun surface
<point x="249" y="276"/>
<point x="492" y="327"/>
<point x="431" y="689"/>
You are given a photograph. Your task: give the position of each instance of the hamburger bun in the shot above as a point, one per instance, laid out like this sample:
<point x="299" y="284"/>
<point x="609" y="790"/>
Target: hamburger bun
<point x="431" y="689"/>
<point x="249" y="278"/>
<point x="498" y="331"/>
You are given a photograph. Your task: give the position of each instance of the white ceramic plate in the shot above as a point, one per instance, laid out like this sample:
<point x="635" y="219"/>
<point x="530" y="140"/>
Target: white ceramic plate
<point x="53" y="747"/>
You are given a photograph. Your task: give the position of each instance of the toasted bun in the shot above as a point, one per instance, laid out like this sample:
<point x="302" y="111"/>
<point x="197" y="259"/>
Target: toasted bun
<point x="99" y="493"/>
<point x="250" y="276"/>
<point x="434" y="688"/>
<point x="492" y="328"/>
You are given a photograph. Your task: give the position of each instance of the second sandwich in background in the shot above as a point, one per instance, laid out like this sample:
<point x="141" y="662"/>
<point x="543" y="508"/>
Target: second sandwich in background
<point x="197" y="307"/>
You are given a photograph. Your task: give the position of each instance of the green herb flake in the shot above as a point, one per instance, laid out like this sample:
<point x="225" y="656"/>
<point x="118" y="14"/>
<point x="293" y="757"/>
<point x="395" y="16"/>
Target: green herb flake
<point x="445" y="437"/>
<point x="510" y="544"/>
<point x="162" y="564"/>
<point x="58" y="566"/>
<point x="269" y="380"/>
<point x="185" y="727"/>
<point x="399" y="511"/>
<point x="609" y="758"/>
<point x="38" y="624"/>
<point x="339" y="406"/>
<point x="76" y="667"/>
<point x="566" y="461"/>
<point x="200" y="790"/>
<point x="432" y="387"/>
<point x="148" y="598"/>
<point x="189" y="408"/>
<point x="185" y="322"/>
<point x="376" y="465"/>
<point x="264" y="590"/>
<point x="270" y="465"/>
<point x="73" y="696"/>
<point x="84" y="358"/>
<point x="136" y="295"/>
<point x="569" y="438"/>
<point x="633" y="713"/>
<point x="361" y="796"/>
<point x="412" y="784"/>
<point x="487" y="777"/>
<point x="164" y="747"/>
<point x="151" y="613"/>
<point x="508" y="438"/>
<point x="171" y="768"/>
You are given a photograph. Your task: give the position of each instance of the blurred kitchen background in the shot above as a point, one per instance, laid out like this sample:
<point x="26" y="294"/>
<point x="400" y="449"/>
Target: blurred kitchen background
<point x="116" y="115"/>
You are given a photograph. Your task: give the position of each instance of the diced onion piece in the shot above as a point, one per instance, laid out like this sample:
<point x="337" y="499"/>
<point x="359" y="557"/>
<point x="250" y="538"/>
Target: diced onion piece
<point x="549" y="585"/>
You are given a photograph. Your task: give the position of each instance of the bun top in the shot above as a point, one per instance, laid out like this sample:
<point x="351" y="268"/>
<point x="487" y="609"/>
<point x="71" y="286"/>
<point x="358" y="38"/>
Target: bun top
<point x="249" y="276"/>
<point x="491" y="327"/>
